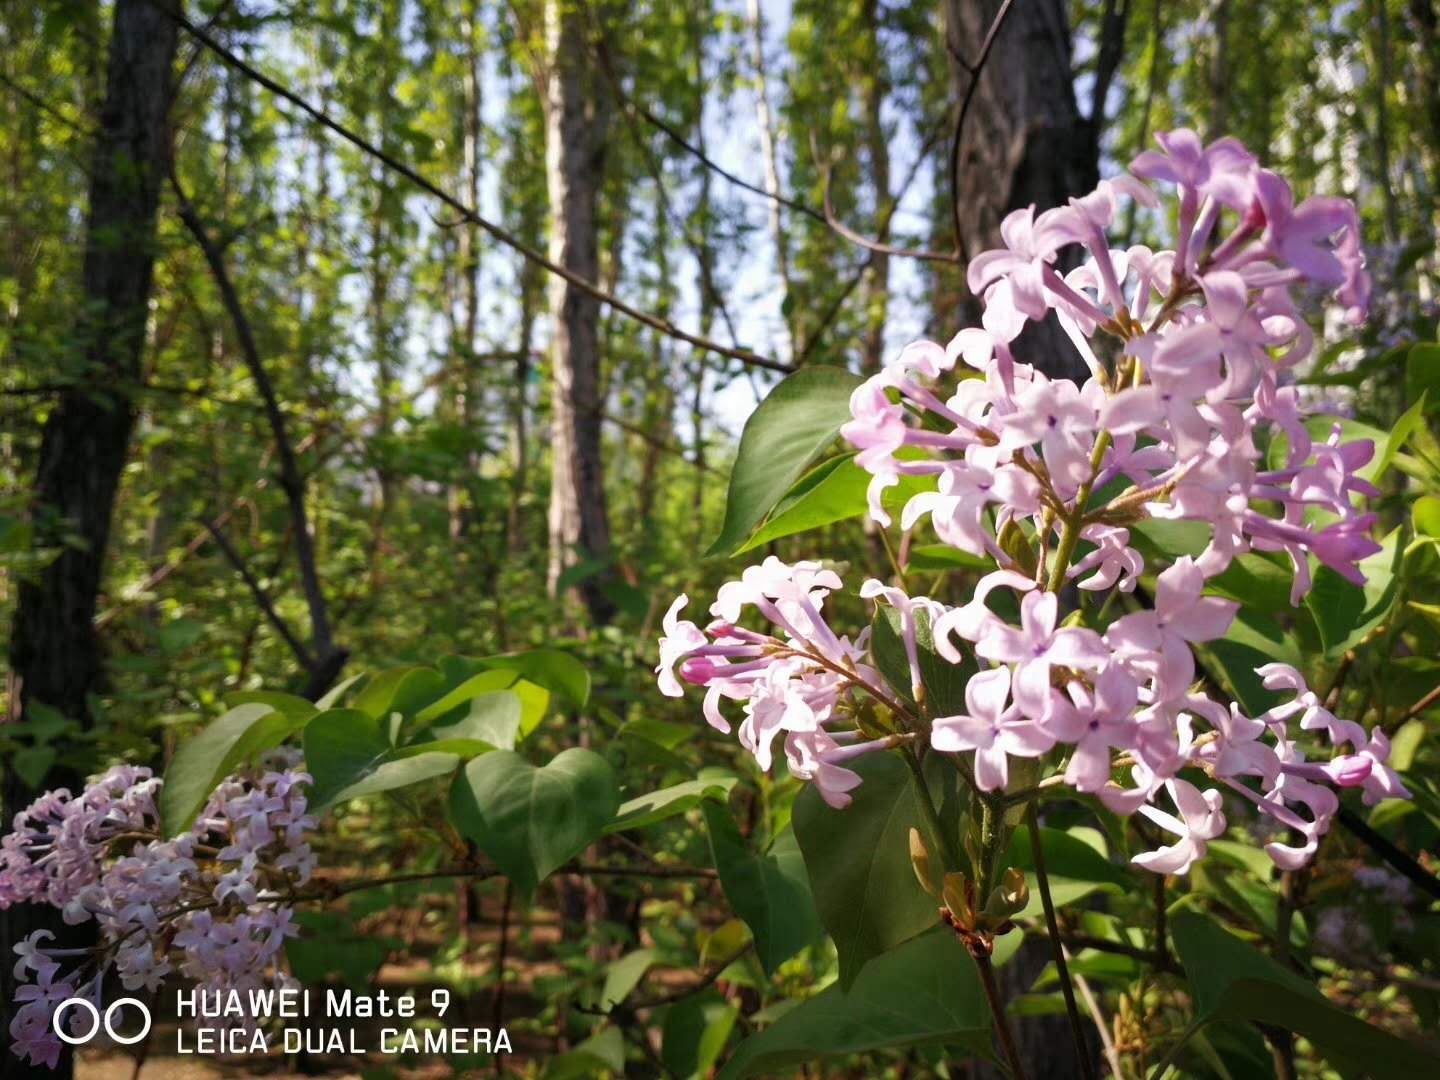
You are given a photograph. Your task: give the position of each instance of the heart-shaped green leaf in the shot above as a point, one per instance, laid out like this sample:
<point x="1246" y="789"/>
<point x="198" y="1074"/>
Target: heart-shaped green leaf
<point x="348" y="752"/>
<point x="531" y="820"/>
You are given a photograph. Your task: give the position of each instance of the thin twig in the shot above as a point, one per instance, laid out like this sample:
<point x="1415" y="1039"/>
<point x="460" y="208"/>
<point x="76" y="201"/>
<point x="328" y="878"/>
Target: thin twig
<point x="1107" y="1040"/>
<point x="1120" y="948"/>
<point x="707" y="979"/>
<point x="879" y="247"/>
<point x="629" y="112"/>
<point x="1398" y="859"/>
<point x="883" y="234"/>
<point x="326" y="658"/>
<point x="997" y="1010"/>
<point x="1420" y="706"/>
<point x="497" y="1012"/>
<point x="262" y="598"/>
<point x="1057" y="947"/>
<point x="659" y="444"/>
<point x="505" y="237"/>
<point x="976" y="70"/>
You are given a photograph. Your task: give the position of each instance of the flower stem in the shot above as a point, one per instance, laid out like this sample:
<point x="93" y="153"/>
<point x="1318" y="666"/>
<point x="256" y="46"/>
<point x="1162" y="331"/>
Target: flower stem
<point x="948" y="850"/>
<point x="1037" y="850"/>
<point x="1075" y="521"/>
<point x="997" y="1010"/>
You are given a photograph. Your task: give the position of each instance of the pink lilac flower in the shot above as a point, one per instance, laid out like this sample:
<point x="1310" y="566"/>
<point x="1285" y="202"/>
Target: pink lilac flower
<point x="1188" y="414"/>
<point x="100" y="856"/>
<point x="991" y="730"/>
<point x="1158" y="641"/>
<point x="1198" y="818"/>
<point x="1036" y="647"/>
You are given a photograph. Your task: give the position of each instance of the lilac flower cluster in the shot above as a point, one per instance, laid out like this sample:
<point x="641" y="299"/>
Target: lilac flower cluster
<point x="1189" y="352"/>
<point x="207" y="903"/>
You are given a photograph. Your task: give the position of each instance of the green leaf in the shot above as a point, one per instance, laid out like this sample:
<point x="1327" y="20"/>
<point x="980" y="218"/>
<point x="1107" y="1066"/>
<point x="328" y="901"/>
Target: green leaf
<point x="944" y="682"/>
<point x="348" y="752"/>
<point x="555" y="670"/>
<point x="486" y="682"/>
<point x="399" y="690"/>
<point x="1253" y="640"/>
<point x="1422" y="372"/>
<point x="832" y="491"/>
<point x="330" y="946"/>
<point x="925" y="993"/>
<point x="1162" y="540"/>
<point x="1401" y="432"/>
<point x="784" y="435"/>
<point x="1426" y="513"/>
<point x="1073" y="867"/>
<point x="770" y="891"/>
<point x="530" y="820"/>
<point x="858" y="860"/>
<point x="835" y="490"/>
<point x="1345" y="612"/>
<point x="289" y="704"/>
<point x="32" y="764"/>
<point x="944" y="557"/>
<point x="1233" y="981"/>
<point x="492" y="718"/>
<point x="645" y="810"/>
<point x="695" y="1031"/>
<point x="623" y="976"/>
<point x="1259" y="580"/>
<point x="336" y="692"/>
<point x="206" y="758"/>
<point x="603" y="1052"/>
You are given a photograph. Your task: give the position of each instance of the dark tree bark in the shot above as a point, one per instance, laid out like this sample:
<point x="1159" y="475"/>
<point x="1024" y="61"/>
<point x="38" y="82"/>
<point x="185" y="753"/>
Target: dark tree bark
<point x="876" y="282"/>
<point x="1425" y="24"/>
<point x="1025" y="140"/>
<point x="55" y="656"/>
<point x="576" y="124"/>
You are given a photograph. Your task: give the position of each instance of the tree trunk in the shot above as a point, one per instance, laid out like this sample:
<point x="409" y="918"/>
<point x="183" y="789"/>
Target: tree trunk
<point x="467" y="376"/>
<point x="54" y="650"/>
<point x="770" y="156"/>
<point x="1424" y="20"/>
<point x="1381" y="80"/>
<point x="1219" y="71"/>
<point x="576" y="119"/>
<point x="876" y="284"/>
<point x="1025" y="140"/>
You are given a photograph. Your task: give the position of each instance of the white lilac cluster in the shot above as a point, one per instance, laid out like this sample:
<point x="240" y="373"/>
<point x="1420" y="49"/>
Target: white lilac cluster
<point x="1189" y="352"/>
<point x="207" y="903"/>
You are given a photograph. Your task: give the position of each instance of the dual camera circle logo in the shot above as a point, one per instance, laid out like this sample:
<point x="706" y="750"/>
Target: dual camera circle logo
<point x="108" y="1020"/>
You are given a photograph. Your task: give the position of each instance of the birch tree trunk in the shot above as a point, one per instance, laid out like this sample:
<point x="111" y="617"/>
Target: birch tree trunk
<point x="576" y="122"/>
<point x="770" y="155"/>
<point x="466" y="378"/>
<point x="55" y="656"/>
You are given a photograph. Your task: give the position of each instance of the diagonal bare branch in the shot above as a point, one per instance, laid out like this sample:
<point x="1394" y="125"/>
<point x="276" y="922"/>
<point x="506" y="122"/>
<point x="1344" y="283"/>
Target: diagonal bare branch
<point x="655" y="322"/>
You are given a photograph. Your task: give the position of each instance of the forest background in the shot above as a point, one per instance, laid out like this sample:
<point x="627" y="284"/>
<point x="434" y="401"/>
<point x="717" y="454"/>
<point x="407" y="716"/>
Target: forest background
<point x="452" y="359"/>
